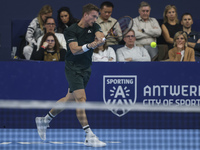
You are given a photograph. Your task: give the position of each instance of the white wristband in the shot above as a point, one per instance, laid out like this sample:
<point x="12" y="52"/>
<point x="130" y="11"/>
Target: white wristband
<point x="85" y="48"/>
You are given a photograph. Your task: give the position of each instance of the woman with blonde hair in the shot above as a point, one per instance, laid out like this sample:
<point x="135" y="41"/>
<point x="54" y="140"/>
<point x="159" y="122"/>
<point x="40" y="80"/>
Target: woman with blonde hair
<point x="181" y="51"/>
<point x="170" y="24"/>
<point x="36" y="29"/>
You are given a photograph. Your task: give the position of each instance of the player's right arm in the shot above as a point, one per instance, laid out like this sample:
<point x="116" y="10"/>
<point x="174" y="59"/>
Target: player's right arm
<point x="77" y="50"/>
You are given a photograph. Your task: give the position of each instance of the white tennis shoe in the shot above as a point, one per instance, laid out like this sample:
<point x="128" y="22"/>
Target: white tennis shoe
<point x="92" y="140"/>
<point x="41" y="127"/>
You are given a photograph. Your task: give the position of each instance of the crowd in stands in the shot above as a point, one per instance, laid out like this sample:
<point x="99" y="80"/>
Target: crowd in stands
<point x="46" y="40"/>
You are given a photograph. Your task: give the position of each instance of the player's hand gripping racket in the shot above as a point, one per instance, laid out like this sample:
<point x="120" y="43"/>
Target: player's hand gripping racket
<point x="121" y="27"/>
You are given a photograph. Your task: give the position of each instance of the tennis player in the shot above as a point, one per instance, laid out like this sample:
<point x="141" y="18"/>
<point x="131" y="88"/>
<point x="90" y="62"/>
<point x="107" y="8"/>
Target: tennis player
<point x="81" y="39"/>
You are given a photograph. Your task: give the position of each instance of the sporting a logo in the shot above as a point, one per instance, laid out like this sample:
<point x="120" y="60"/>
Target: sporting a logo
<point x="120" y="90"/>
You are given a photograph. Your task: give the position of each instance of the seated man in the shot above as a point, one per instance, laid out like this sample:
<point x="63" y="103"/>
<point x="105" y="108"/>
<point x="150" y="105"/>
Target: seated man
<point x="130" y="52"/>
<point x="193" y="37"/>
<point x="106" y="22"/>
<point x="50" y="26"/>
<point x="146" y="29"/>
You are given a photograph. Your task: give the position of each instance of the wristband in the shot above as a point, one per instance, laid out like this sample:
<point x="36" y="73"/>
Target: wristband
<point x="85" y="47"/>
<point x="43" y="47"/>
<point x="178" y="53"/>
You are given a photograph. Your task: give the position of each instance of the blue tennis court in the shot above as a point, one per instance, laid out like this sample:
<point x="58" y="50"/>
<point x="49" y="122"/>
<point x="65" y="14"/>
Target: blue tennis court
<point x="123" y="139"/>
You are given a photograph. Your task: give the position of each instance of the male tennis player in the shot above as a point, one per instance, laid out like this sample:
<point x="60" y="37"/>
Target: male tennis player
<point x="81" y="39"/>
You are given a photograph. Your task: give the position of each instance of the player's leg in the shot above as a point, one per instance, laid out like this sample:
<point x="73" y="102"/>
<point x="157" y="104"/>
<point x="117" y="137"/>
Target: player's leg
<point x="80" y="97"/>
<point x="43" y="122"/>
<point x="91" y="138"/>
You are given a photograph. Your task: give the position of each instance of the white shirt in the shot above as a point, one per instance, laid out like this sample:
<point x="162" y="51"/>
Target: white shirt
<point x="60" y="37"/>
<point x="136" y="53"/>
<point x="104" y="56"/>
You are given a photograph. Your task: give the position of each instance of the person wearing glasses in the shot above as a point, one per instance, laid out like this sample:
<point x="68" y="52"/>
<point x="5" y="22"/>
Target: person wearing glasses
<point x="181" y="51"/>
<point x="50" y="26"/>
<point x="130" y="52"/>
<point x="36" y="29"/>
<point x="49" y="49"/>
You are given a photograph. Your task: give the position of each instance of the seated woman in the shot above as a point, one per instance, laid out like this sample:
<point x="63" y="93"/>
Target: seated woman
<point x="181" y="51"/>
<point x="170" y="24"/>
<point x="104" y="54"/>
<point x="36" y="29"/>
<point x="65" y="19"/>
<point x="49" y="49"/>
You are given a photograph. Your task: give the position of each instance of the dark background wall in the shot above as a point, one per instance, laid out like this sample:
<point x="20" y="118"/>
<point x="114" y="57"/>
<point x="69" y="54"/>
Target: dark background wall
<point x="27" y="10"/>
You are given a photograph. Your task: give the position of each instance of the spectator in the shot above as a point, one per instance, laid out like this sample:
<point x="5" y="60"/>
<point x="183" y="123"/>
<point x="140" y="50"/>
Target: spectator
<point x="65" y="19"/>
<point x="130" y="52"/>
<point x="170" y="25"/>
<point x="193" y="37"/>
<point x="49" y="49"/>
<point x="106" y="21"/>
<point x="104" y="54"/>
<point x="181" y="51"/>
<point x="35" y="30"/>
<point x="146" y="28"/>
<point x="50" y="26"/>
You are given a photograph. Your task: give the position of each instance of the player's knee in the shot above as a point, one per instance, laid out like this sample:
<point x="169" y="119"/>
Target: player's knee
<point x="81" y="99"/>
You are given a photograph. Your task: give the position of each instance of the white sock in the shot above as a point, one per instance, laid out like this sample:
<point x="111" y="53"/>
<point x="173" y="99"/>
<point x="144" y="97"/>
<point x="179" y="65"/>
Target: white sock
<point x="49" y="117"/>
<point x="87" y="129"/>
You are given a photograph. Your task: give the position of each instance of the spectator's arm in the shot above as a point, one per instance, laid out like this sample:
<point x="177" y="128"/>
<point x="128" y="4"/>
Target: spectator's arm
<point x="155" y="31"/>
<point x="30" y="32"/>
<point x="166" y="35"/>
<point x="120" y="56"/>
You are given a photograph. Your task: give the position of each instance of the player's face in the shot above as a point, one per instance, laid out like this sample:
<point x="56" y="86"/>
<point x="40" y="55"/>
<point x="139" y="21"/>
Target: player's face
<point x="129" y="38"/>
<point x="106" y="12"/>
<point x="187" y="21"/>
<point x="51" y="42"/>
<point x="145" y="12"/>
<point x="50" y="25"/>
<point x="171" y="14"/>
<point x="64" y="16"/>
<point x="91" y="17"/>
<point x="44" y="16"/>
<point x="180" y="40"/>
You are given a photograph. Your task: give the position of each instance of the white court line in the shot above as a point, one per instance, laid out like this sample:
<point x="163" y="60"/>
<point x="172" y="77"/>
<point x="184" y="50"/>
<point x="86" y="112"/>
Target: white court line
<point x="4" y="143"/>
<point x="53" y="142"/>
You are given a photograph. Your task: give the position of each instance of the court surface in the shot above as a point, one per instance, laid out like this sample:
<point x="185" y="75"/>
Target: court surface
<point x="122" y="139"/>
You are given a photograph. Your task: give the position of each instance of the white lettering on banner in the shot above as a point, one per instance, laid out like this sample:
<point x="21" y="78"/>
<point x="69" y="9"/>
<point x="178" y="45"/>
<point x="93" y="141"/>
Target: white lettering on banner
<point x="169" y="102"/>
<point x="120" y="90"/>
<point x="172" y="90"/>
<point x="119" y="81"/>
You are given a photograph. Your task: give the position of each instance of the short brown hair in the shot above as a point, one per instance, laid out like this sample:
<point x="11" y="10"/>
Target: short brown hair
<point x="144" y="4"/>
<point x="89" y="7"/>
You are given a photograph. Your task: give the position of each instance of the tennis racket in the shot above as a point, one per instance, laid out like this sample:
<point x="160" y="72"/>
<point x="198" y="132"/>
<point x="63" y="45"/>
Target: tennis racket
<point x="121" y="27"/>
